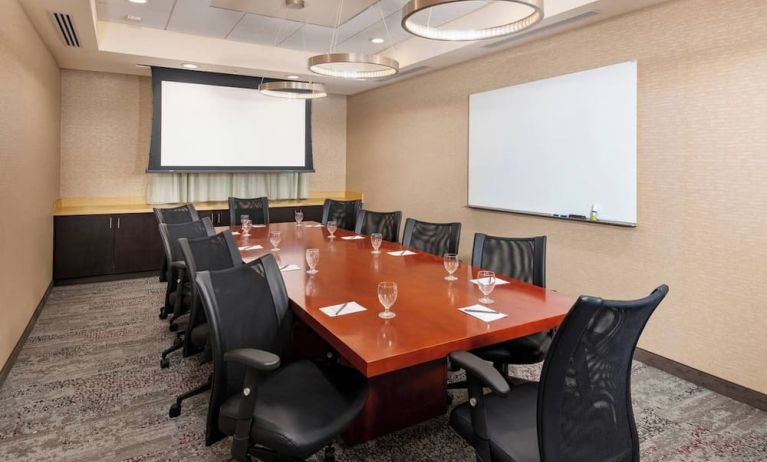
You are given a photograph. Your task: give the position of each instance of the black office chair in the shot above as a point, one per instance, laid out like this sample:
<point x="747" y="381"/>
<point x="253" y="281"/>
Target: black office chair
<point x="178" y="294"/>
<point x="523" y="259"/>
<point x="580" y="410"/>
<point x="257" y="209"/>
<point x="434" y="238"/>
<point x="273" y="410"/>
<point x="174" y="215"/>
<point x="386" y="223"/>
<point x="343" y="212"/>
<point x="202" y="254"/>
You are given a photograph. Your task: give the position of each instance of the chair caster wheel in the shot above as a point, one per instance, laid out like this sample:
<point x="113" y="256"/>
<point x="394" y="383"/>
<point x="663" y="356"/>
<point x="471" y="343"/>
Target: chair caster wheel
<point x="174" y="411"/>
<point x="163" y="313"/>
<point x="173" y="327"/>
<point x="164" y="363"/>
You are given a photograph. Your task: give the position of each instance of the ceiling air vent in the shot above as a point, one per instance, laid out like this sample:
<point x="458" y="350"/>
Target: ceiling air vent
<point x="66" y="28"/>
<point x="538" y="30"/>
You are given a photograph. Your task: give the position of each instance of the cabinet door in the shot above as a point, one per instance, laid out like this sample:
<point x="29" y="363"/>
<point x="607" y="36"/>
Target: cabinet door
<point x="222" y="218"/>
<point x="137" y="243"/>
<point x="207" y="214"/>
<point x="83" y="245"/>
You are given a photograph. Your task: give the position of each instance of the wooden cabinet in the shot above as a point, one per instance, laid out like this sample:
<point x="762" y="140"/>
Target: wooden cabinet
<point x="83" y="246"/>
<point x="99" y="245"/>
<point x="102" y="245"/>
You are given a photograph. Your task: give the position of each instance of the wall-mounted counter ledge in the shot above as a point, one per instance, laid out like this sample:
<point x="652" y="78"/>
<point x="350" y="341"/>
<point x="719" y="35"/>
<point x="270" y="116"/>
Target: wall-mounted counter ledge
<point x="117" y="205"/>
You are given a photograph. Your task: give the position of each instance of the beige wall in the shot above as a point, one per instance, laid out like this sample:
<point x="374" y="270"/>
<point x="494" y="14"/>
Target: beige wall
<point x="29" y="170"/>
<point x="106" y="125"/>
<point x="702" y="172"/>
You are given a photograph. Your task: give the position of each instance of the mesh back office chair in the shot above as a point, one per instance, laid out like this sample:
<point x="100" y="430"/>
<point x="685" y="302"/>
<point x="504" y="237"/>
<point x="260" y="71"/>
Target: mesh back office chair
<point x="581" y="409"/>
<point x="386" y="223"/>
<point x="174" y="215"/>
<point x="272" y="410"/>
<point x="257" y="209"/>
<point x="179" y="292"/>
<point x="343" y="212"/>
<point x="523" y="259"/>
<point x="202" y="254"/>
<point x="434" y="238"/>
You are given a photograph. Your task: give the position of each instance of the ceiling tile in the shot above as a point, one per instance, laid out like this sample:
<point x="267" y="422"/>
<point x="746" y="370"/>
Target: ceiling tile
<point x="199" y="18"/>
<point x="263" y="30"/>
<point x="153" y="14"/>
<point x="309" y="37"/>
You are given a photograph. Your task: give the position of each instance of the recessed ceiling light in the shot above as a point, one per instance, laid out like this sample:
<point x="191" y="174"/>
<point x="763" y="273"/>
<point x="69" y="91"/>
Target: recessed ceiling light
<point x="292" y="77"/>
<point x="134" y="18"/>
<point x="189" y="66"/>
<point x="377" y="40"/>
<point x="138" y="1"/>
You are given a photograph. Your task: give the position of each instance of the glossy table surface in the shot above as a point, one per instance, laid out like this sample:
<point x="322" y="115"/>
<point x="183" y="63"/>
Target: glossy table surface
<point x="428" y="325"/>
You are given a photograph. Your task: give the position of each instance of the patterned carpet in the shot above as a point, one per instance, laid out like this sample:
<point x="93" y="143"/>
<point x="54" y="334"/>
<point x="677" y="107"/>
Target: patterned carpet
<point x="87" y="386"/>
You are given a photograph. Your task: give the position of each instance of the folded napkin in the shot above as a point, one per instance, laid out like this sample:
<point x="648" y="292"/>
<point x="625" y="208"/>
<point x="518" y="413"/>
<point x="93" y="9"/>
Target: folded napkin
<point x="258" y="226"/>
<point x="400" y="253"/>
<point x="483" y="313"/>
<point x="289" y="268"/>
<point x="351" y="307"/>
<point x="352" y="238"/>
<point x="315" y="225"/>
<point x="250" y="247"/>
<point x="498" y="282"/>
<point x="235" y="233"/>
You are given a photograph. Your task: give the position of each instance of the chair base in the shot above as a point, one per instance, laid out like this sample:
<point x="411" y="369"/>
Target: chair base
<point x="175" y="408"/>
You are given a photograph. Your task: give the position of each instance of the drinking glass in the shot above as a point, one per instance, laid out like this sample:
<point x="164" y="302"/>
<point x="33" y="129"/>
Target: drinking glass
<point x="275" y="237"/>
<point x="299" y="217"/>
<point x="244" y="217"/>
<point x="375" y="239"/>
<point x="246" y="225"/>
<point x="387" y="295"/>
<point x="486" y="283"/>
<point x="312" y="259"/>
<point x="450" y="261"/>
<point x="332" y="227"/>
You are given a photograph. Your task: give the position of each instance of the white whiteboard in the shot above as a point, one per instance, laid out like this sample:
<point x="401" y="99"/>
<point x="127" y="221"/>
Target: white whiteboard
<point x="219" y="126"/>
<point x="557" y="146"/>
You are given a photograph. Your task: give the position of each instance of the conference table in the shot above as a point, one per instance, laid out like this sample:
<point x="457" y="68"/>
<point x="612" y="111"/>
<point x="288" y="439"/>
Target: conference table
<point x="404" y="358"/>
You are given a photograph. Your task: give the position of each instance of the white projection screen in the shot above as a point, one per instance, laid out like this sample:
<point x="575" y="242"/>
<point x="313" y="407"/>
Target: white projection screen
<point x="558" y="147"/>
<point x="213" y="122"/>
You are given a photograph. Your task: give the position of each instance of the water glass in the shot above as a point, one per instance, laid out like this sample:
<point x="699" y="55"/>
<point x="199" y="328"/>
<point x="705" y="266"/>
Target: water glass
<point x="486" y="283"/>
<point x="244" y="217"/>
<point x="450" y="262"/>
<point x="387" y="295"/>
<point x="312" y="259"/>
<point x="332" y="227"/>
<point x="299" y="217"/>
<point x="275" y="237"/>
<point x="246" y="226"/>
<point x="375" y="240"/>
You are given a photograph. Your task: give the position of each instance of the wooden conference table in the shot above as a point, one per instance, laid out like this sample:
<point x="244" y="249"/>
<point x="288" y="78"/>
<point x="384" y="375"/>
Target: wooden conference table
<point x="403" y="358"/>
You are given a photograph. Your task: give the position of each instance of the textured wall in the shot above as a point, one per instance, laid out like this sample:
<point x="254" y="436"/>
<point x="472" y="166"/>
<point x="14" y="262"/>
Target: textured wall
<point x="106" y="125"/>
<point x="702" y="171"/>
<point x="29" y="170"/>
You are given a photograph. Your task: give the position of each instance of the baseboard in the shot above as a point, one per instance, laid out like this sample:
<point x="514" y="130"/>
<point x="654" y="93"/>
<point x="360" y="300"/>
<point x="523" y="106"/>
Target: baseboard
<point x="713" y="383"/>
<point x="15" y="353"/>
<point x="107" y="278"/>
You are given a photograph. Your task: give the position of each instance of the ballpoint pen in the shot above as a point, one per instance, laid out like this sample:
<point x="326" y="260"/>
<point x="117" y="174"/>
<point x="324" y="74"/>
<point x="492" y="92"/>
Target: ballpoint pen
<point x="340" y="309"/>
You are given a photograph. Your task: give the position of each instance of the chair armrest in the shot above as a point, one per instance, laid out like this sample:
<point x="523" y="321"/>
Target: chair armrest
<point x="482" y="370"/>
<point x="260" y="360"/>
<point x="178" y="264"/>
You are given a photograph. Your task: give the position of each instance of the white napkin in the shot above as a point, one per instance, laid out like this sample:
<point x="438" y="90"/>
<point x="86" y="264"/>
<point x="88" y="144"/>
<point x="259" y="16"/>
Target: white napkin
<point x="258" y="226"/>
<point x="498" y="282"/>
<point x="489" y="317"/>
<point x="290" y="267"/>
<point x="250" y="247"/>
<point x="235" y="233"/>
<point x="352" y="238"/>
<point x="351" y="307"/>
<point x="315" y="225"/>
<point x="400" y="253"/>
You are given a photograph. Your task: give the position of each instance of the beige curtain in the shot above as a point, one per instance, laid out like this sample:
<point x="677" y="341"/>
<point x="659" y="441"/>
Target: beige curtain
<point x="167" y="188"/>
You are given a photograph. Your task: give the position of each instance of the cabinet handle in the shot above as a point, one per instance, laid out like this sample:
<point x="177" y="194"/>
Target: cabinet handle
<point x="219" y="218"/>
<point x="118" y="222"/>
<point x="110" y="222"/>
